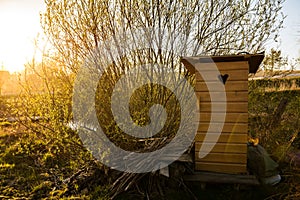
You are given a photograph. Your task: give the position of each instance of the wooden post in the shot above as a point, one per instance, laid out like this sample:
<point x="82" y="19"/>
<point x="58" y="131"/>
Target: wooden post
<point x="278" y="113"/>
<point x="4" y="75"/>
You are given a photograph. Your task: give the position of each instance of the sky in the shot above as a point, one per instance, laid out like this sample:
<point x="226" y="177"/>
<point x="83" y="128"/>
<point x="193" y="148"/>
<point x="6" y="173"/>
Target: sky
<point x="20" y="25"/>
<point x="289" y="41"/>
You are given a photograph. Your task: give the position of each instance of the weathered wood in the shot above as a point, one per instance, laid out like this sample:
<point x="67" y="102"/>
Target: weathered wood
<point x="231" y="148"/>
<point x="231" y="96"/>
<point x="225" y="148"/>
<point x="227" y="128"/>
<point x="230" y="117"/>
<point x="209" y="66"/>
<point x="223" y="158"/>
<point x="240" y="65"/>
<point x="278" y="113"/>
<point x="230" y="86"/>
<point x="253" y="60"/>
<point x="224" y="137"/>
<point x="234" y="75"/>
<point x="237" y="107"/>
<point x="229" y="168"/>
<point x="207" y="177"/>
<point x="183" y="158"/>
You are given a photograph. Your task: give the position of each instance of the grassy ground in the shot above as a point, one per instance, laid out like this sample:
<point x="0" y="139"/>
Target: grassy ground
<point x="33" y="175"/>
<point x="33" y="166"/>
<point x="24" y="176"/>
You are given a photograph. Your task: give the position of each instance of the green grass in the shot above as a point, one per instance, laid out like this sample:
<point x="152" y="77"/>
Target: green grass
<point x="26" y="172"/>
<point x="35" y="162"/>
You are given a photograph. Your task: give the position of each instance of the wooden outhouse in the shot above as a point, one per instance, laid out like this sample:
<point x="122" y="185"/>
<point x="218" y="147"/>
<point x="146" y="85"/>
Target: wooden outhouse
<point x="228" y="154"/>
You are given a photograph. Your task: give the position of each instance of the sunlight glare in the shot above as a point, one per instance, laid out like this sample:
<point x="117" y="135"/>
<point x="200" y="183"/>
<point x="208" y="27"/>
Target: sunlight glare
<point x="20" y="25"/>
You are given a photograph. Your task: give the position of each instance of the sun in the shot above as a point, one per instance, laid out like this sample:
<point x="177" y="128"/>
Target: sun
<point x="19" y="26"/>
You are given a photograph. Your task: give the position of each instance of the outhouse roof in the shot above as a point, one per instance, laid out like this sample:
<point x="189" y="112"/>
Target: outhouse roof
<point x="254" y="60"/>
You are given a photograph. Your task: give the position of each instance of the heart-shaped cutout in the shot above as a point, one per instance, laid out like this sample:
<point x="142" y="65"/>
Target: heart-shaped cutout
<point x="223" y="78"/>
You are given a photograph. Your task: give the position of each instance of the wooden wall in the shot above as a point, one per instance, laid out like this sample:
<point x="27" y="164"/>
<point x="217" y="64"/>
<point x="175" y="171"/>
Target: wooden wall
<point x="230" y="153"/>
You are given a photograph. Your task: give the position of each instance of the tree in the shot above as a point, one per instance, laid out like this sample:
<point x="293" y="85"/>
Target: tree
<point x="274" y="61"/>
<point x="210" y="27"/>
<point x="118" y="35"/>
